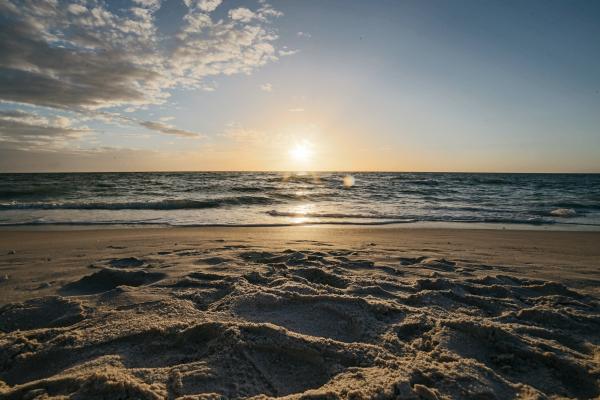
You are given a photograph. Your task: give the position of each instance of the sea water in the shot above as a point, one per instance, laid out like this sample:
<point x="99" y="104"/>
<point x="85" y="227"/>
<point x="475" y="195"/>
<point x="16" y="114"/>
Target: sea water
<point x="564" y="201"/>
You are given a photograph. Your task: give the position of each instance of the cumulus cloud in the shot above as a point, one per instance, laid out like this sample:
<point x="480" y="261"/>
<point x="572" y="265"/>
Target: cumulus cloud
<point x="209" y="5"/>
<point x="76" y="9"/>
<point x="241" y="14"/>
<point x="91" y="56"/>
<point x="148" y="3"/>
<point x="95" y="57"/>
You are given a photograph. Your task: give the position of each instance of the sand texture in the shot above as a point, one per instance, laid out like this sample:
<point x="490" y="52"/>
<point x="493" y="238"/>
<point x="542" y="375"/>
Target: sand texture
<point x="361" y="315"/>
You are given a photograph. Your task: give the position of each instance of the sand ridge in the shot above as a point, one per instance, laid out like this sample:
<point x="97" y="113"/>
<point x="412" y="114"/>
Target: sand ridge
<point x="315" y="320"/>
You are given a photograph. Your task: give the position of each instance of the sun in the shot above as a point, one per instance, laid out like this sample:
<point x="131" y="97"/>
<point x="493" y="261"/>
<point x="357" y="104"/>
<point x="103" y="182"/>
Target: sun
<point x="301" y="152"/>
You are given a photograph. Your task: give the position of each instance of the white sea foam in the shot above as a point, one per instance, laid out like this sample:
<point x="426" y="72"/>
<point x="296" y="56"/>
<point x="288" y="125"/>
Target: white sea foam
<point x="563" y="212"/>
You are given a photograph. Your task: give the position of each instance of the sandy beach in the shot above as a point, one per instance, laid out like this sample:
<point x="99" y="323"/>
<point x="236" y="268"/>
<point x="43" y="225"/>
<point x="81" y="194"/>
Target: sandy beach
<point x="299" y="312"/>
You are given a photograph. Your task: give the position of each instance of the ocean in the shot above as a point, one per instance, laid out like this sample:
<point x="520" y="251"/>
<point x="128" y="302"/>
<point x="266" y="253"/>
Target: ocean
<point x="563" y="201"/>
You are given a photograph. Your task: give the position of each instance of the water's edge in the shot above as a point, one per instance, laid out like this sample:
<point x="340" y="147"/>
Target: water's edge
<point x="66" y="226"/>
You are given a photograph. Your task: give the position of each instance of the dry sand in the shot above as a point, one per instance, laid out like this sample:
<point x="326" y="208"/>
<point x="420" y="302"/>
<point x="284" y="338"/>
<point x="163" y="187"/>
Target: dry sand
<point x="303" y="312"/>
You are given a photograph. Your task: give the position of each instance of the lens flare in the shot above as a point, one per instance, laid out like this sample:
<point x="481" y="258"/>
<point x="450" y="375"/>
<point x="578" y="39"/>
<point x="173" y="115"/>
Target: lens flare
<point x="348" y="181"/>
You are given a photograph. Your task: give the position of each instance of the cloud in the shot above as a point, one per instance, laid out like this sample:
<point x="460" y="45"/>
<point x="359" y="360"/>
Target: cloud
<point x="209" y="5"/>
<point x="92" y="57"/>
<point x="168" y="129"/>
<point x="266" y="11"/>
<point x="295" y="110"/>
<point x="84" y="67"/>
<point x="160" y="126"/>
<point x="203" y="5"/>
<point x="287" y="52"/>
<point x="101" y="61"/>
<point x="304" y="34"/>
<point x="196" y="22"/>
<point x="24" y="130"/>
<point x="241" y="14"/>
<point x="148" y="3"/>
<point x="76" y="9"/>
<point x="266" y="87"/>
<point x="94" y="159"/>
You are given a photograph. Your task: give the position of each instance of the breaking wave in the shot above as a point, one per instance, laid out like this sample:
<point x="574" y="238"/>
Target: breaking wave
<point x="175" y="204"/>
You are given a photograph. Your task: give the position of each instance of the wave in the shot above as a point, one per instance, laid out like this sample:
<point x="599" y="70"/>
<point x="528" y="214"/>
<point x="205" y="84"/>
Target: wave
<point x="563" y="212"/>
<point x="37" y="191"/>
<point x="423" y="182"/>
<point x="300" y="178"/>
<point x="175" y="204"/>
<point x="492" y="181"/>
<point x="275" y="213"/>
<point x="577" y="205"/>
<point x="416" y="218"/>
<point x="249" y="189"/>
<point x="192" y="225"/>
<point x="303" y="196"/>
<point x="283" y="224"/>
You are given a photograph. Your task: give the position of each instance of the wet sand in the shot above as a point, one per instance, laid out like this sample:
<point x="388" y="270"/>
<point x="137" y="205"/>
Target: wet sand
<point x="304" y="312"/>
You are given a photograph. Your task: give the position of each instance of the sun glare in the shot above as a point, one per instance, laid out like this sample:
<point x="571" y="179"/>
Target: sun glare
<point x="301" y="152"/>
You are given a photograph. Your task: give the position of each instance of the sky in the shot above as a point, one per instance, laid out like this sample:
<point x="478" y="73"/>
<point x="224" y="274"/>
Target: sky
<point x="382" y="85"/>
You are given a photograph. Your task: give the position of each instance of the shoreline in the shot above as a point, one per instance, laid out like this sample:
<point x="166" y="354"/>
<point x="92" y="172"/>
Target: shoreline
<point x="462" y="225"/>
<point x="557" y="248"/>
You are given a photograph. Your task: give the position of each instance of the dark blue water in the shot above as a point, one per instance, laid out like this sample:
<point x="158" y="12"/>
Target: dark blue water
<point x="560" y="200"/>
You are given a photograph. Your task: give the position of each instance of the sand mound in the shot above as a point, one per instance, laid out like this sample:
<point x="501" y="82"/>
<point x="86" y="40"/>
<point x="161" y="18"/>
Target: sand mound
<point x="44" y="312"/>
<point x="127" y="262"/>
<point x="107" y="279"/>
<point x="324" y="323"/>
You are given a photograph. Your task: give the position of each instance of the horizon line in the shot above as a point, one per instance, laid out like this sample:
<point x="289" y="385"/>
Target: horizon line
<point x="303" y="172"/>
